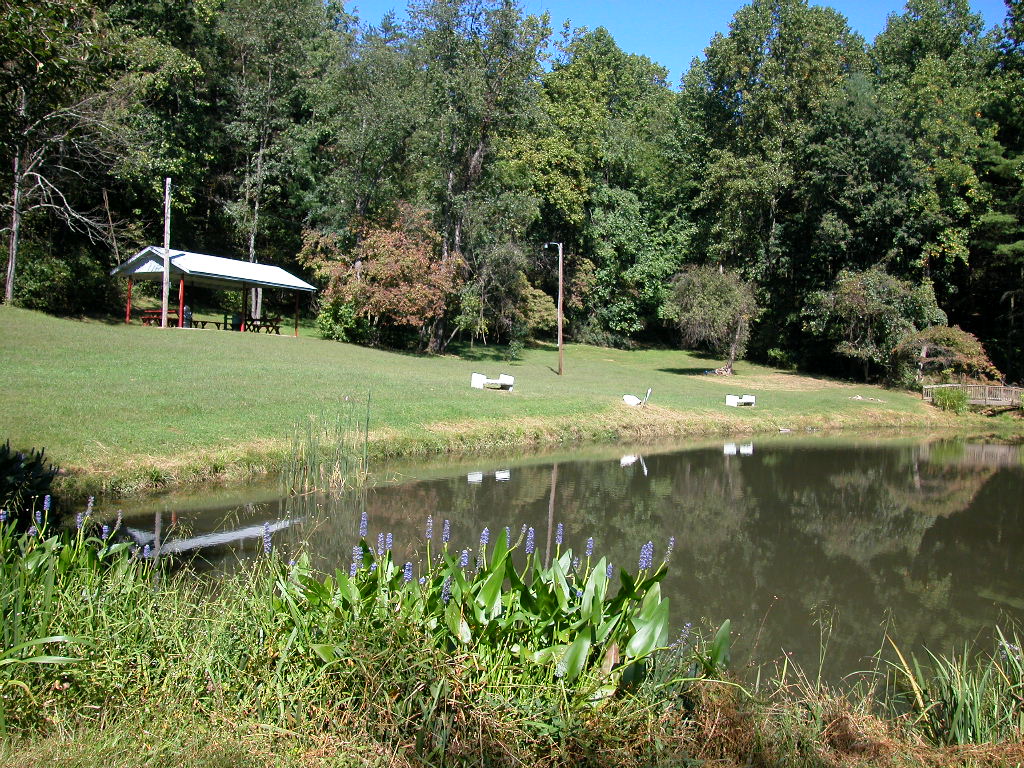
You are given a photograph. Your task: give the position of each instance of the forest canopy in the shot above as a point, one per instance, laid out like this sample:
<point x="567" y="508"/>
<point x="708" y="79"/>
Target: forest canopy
<point x="414" y="169"/>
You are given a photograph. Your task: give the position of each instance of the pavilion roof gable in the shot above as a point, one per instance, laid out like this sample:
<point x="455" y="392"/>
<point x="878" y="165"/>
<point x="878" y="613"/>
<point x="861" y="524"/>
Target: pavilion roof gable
<point x="210" y="271"/>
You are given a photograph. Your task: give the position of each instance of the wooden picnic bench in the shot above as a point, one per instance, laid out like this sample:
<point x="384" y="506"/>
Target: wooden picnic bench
<point x="265" y="324"/>
<point x="153" y="317"/>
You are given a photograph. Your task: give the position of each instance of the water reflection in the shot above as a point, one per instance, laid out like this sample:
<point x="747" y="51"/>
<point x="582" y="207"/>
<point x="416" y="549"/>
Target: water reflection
<point x="791" y="540"/>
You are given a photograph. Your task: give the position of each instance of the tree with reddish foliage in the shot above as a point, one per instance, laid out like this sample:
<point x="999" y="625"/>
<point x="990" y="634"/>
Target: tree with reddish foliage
<point x="941" y="353"/>
<point x="393" y="278"/>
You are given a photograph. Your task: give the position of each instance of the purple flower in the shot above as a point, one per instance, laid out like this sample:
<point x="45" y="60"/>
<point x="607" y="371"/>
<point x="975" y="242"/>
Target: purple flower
<point x="646" y="556"/>
<point x="46" y="503"/>
<point x="609" y="571"/>
<point x="352" y="570"/>
<point x="485" y="537"/>
<point x="590" y="546"/>
<point x="105" y="532"/>
<point x="389" y="541"/>
<point x="464" y="559"/>
<point x="446" y="590"/>
<point x="79" y="520"/>
<point x="575" y="563"/>
<point x="380" y="544"/>
<point x="357" y="557"/>
<point x="363" y="525"/>
<point x="33" y="531"/>
<point x="446" y="531"/>
<point x="88" y="506"/>
<point x="373" y="566"/>
<point x="508" y="536"/>
<point x="267" y="544"/>
<point x="559" y="530"/>
<point x="529" y="541"/>
<point x="407" y="573"/>
<point x="430" y="527"/>
<point x="3" y="515"/>
<point x="423" y="580"/>
<point x="39" y="517"/>
<point x="146" y="551"/>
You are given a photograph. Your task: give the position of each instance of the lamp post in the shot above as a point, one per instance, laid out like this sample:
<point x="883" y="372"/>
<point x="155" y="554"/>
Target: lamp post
<point x="560" y="353"/>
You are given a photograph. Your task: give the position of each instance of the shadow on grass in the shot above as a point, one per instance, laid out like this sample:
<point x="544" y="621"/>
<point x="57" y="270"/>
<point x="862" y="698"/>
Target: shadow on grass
<point x="688" y="371"/>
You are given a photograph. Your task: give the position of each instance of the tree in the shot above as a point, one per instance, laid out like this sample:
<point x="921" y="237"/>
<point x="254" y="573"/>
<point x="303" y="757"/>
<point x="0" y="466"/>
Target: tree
<point x="56" y="125"/>
<point x="940" y="352"/>
<point x="394" y="278"/>
<point x="592" y="162"/>
<point x="712" y="307"/>
<point x="868" y="313"/>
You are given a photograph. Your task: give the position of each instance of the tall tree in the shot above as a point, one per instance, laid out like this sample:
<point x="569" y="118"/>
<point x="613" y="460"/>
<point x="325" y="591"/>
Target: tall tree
<point x="480" y="59"/>
<point x="54" y="111"/>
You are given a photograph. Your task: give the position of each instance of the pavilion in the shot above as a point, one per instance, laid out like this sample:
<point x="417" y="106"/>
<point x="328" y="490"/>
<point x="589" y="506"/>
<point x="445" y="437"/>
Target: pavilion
<point x="200" y="269"/>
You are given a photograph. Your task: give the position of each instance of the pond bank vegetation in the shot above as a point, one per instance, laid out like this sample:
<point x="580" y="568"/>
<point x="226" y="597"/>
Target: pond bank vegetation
<point x="475" y="655"/>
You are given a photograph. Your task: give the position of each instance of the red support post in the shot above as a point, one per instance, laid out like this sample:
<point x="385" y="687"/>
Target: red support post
<point x="128" y="308"/>
<point x="181" y="303"/>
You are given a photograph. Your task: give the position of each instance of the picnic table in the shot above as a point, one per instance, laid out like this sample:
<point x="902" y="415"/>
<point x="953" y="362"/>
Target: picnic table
<point x="265" y="324"/>
<point x="153" y="317"/>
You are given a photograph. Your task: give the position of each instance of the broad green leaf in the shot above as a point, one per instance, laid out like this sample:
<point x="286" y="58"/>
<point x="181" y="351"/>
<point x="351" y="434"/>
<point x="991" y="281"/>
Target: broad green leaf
<point x="650" y="632"/>
<point x="576" y="657"/>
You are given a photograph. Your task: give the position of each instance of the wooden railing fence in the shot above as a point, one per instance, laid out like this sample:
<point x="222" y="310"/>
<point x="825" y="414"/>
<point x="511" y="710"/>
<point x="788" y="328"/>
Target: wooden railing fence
<point x="979" y="394"/>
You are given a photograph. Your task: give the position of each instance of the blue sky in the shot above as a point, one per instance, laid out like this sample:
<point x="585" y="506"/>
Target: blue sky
<point x="672" y="33"/>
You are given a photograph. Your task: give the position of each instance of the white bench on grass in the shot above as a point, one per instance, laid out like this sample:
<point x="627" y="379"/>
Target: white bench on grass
<point x="737" y="400"/>
<point x="504" y="382"/>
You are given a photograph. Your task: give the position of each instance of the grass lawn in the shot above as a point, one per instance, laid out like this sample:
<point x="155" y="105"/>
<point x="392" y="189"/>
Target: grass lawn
<point x="123" y="406"/>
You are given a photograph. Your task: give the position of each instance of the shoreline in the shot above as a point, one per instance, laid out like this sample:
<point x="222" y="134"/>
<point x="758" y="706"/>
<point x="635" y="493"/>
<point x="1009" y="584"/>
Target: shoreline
<point x="245" y="462"/>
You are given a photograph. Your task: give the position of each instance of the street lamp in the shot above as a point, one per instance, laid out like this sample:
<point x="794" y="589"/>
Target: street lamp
<point x="560" y="353"/>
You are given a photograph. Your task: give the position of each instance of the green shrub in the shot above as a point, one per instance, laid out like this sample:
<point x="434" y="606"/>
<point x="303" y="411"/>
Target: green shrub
<point x="338" y="321"/>
<point x="951" y="399"/>
<point x="25" y="479"/>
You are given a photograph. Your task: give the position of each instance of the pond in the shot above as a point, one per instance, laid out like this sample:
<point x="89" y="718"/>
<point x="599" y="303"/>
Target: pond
<point x="802" y="542"/>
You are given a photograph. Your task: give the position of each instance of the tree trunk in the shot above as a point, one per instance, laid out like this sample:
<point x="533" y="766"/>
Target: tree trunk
<point x="735" y="344"/>
<point x="12" y="245"/>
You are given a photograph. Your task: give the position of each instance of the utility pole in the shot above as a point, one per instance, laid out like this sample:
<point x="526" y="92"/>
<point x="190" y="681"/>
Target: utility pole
<point x="167" y="251"/>
<point x="560" y="279"/>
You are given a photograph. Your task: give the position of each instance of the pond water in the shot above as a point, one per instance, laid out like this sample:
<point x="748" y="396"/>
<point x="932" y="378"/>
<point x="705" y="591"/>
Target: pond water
<point x="793" y="538"/>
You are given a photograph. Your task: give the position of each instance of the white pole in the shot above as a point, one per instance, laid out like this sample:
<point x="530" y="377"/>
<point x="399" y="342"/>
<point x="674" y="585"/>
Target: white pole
<point x="560" y="279"/>
<point x="167" y="251"/>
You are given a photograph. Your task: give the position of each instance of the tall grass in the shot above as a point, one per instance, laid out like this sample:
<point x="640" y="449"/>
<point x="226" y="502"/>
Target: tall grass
<point x="328" y="452"/>
<point x="969" y="697"/>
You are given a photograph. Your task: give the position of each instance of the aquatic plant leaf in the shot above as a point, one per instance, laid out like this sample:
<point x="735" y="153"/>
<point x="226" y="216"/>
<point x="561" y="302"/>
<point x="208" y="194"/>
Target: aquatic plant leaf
<point x="575" y="658"/>
<point x="457" y="623"/>
<point x="650" y="632"/>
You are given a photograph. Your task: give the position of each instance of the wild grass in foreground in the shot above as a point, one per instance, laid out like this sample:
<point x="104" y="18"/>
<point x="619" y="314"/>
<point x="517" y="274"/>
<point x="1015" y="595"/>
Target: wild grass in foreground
<point x="489" y="657"/>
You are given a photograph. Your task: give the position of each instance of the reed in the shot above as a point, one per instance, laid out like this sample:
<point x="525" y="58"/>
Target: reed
<point x="328" y="453"/>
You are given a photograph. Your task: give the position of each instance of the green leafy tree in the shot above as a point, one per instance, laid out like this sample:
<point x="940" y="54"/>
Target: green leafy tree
<point x="867" y="314"/>
<point x="592" y="162"/>
<point x="714" y="308"/>
<point x="55" y="115"/>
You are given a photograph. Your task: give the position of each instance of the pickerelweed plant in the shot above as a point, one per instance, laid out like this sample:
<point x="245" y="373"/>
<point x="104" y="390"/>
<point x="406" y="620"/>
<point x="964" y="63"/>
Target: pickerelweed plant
<point x="567" y="618"/>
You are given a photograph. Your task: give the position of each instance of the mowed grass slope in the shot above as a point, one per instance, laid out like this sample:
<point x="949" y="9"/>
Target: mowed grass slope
<point x="127" y="405"/>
